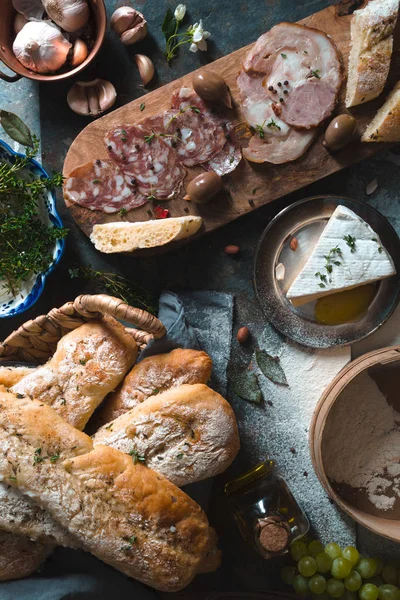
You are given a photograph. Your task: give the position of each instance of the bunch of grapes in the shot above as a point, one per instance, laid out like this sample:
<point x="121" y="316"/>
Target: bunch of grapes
<point x="330" y="572"/>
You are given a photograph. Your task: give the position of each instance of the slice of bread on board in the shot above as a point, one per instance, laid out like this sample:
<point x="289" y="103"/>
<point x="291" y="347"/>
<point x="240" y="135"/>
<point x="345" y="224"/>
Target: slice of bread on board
<point x="127" y="237"/>
<point x="385" y="126"/>
<point x="371" y="50"/>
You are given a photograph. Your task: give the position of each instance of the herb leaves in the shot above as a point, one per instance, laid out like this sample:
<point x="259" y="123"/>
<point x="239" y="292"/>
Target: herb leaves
<point x="270" y="366"/>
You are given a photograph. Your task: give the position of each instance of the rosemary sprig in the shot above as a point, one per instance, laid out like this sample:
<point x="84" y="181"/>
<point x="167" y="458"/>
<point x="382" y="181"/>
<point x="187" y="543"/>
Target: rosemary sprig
<point x="131" y="293"/>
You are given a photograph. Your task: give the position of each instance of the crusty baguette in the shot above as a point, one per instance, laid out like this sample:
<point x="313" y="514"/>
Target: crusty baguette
<point x="124" y="513"/>
<point x="19" y="557"/>
<point x="371" y="50"/>
<point x="9" y="376"/>
<point x="188" y="433"/>
<point x="385" y="126"/>
<point x="127" y="237"/>
<point x="89" y="362"/>
<point x="151" y="376"/>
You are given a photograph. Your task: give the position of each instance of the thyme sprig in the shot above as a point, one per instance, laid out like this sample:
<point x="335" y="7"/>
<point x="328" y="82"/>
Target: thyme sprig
<point x="331" y="260"/>
<point x="351" y="242"/>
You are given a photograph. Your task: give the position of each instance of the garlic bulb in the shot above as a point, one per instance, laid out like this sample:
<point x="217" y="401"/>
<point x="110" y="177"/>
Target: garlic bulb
<point x="91" y="98"/>
<point x="145" y="66"/>
<point x="129" y="24"/>
<point x="70" y="15"/>
<point x="31" y="9"/>
<point x="40" y="47"/>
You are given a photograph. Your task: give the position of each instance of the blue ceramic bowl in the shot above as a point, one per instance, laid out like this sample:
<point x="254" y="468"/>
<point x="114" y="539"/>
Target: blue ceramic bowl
<point x="48" y="213"/>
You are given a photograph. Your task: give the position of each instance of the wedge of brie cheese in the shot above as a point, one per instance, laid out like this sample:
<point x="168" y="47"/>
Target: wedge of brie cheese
<point x="348" y="254"/>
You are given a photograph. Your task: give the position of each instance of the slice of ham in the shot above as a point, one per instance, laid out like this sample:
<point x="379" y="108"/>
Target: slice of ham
<point x="302" y="73"/>
<point x="101" y="185"/>
<point x="141" y="153"/>
<point x="274" y="140"/>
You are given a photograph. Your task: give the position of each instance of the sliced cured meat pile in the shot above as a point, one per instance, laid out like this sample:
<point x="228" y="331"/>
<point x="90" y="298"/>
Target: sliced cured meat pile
<point x="101" y="185"/>
<point x="142" y="153"/>
<point x="289" y="85"/>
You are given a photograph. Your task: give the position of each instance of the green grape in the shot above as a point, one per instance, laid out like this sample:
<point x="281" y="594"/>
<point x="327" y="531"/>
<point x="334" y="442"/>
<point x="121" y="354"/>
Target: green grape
<point x="351" y="554"/>
<point x="288" y="574"/>
<point x="317" y="584"/>
<point x="353" y="581"/>
<point x="368" y="592"/>
<point x="389" y="574"/>
<point x="300" y="585"/>
<point x="335" y="588"/>
<point x="324" y="563"/>
<point x="307" y="566"/>
<point x="340" y="568"/>
<point x="298" y="550"/>
<point x="379" y="566"/>
<point x="389" y="592"/>
<point x="366" y="567"/>
<point x="333" y="550"/>
<point x="315" y="547"/>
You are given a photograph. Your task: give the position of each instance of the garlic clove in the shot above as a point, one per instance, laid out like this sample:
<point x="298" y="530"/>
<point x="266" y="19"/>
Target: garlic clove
<point x="145" y="66"/>
<point x="129" y="24"/>
<point x="91" y="98"/>
<point x="40" y="47"/>
<point x="19" y="22"/>
<point x="70" y="15"/>
<point x="31" y="9"/>
<point x="79" y="52"/>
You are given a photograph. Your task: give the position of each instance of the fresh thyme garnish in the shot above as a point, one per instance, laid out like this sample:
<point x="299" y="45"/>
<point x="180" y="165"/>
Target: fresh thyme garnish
<point x="149" y="138"/>
<point x="380" y="249"/>
<point x="131" y="293"/>
<point x="37" y="458"/>
<point x="330" y="261"/>
<point x="351" y="242"/>
<point x="124" y="135"/>
<point x="122" y="212"/>
<point x="131" y="540"/>
<point x="232" y="158"/>
<point x="179" y="456"/>
<point x="260" y="130"/>
<point x="54" y="458"/>
<point x="272" y="123"/>
<point x="142" y="106"/>
<point x="82" y="361"/>
<point x="136" y="457"/>
<point x="25" y="241"/>
<point x="96" y="181"/>
<point x="316" y="74"/>
<point x="305" y="52"/>
<point x="283" y="55"/>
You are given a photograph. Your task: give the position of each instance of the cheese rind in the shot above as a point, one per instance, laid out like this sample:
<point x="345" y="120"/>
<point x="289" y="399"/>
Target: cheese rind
<point x="369" y="261"/>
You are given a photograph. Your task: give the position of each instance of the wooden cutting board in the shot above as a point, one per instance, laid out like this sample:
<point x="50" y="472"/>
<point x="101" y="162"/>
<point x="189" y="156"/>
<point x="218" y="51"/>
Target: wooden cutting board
<point x="250" y="185"/>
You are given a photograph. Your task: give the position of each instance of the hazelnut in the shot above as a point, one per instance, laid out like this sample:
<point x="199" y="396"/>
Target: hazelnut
<point x="129" y="24"/>
<point x="243" y="335"/>
<point x="294" y="244"/>
<point x="231" y="249"/>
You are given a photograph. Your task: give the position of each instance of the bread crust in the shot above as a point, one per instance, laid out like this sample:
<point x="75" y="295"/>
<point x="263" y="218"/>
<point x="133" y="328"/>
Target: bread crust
<point x="9" y="376"/>
<point x="151" y="376"/>
<point x="19" y="557"/>
<point x="188" y="433"/>
<point x="385" y="126"/>
<point x="124" y="513"/>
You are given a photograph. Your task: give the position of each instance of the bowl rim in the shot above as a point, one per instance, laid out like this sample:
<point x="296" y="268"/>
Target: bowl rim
<point x="100" y="35"/>
<point x="38" y="286"/>
<point x="333" y="391"/>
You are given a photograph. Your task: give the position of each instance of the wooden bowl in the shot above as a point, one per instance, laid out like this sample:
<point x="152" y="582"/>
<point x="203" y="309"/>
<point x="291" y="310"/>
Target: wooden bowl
<point x="389" y="528"/>
<point x="7" y="37"/>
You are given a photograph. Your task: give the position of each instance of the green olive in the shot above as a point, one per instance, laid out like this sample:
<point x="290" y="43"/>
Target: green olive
<point x="212" y="87"/>
<point x="340" y="132"/>
<point x="203" y="187"/>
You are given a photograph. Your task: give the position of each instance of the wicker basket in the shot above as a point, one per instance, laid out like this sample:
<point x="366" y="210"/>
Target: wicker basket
<point x="36" y="340"/>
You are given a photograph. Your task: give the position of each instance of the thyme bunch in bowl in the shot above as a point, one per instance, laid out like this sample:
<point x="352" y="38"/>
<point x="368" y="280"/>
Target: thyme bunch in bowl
<point x="26" y="241"/>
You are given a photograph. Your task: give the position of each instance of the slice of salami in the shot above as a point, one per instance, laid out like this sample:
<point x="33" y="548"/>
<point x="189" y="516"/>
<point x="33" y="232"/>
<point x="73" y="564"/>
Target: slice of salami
<point x="227" y="159"/>
<point x="101" y="185"/>
<point x="201" y="134"/>
<point x="142" y="153"/>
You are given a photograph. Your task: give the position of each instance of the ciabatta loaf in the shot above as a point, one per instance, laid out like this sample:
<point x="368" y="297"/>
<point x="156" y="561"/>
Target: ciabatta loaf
<point x="9" y="376"/>
<point x="385" y="127"/>
<point x="371" y="50"/>
<point x="188" y="433"/>
<point x="124" y="513"/>
<point x="151" y="376"/>
<point x="19" y="557"/>
<point x="127" y="237"/>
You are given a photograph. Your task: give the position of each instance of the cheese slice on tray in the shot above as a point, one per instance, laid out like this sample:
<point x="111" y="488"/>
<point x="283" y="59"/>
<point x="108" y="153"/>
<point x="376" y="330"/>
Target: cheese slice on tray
<point x="348" y="254"/>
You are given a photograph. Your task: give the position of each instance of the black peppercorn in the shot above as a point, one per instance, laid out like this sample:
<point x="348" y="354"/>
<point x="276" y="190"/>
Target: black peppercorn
<point x="270" y="88"/>
<point x="279" y="84"/>
<point x="280" y="99"/>
<point x="285" y="92"/>
<point x="286" y="82"/>
<point x="275" y="91"/>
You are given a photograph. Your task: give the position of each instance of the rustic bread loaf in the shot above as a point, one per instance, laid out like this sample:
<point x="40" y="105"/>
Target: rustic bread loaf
<point x="371" y="50"/>
<point x="19" y="557"/>
<point x="9" y="376"/>
<point x="89" y="362"/>
<point x="385" y="126"/>
<point x="151" y="376"/>
<point x="127" y="237"/>
<point x="124" y="513"/>
<point x="188" y="433"/>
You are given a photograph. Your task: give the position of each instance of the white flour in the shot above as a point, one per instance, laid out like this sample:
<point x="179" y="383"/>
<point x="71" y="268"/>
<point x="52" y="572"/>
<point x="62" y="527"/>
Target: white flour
<point x="362" y="442"/>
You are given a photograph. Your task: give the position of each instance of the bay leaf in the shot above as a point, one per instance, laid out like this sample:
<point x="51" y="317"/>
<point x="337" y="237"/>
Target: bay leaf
<point x="246" y="386"/>
<point x="16" y="128"/>
<point x="270" y="366"/>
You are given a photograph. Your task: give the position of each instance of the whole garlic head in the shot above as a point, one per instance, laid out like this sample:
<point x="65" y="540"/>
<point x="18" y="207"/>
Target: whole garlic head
<point x="91" y="98"/>
<point x="70" y="15"/>
<point x="40" y="47"/>
<point x="31" y="9"/>
<point x="129" y="24"/>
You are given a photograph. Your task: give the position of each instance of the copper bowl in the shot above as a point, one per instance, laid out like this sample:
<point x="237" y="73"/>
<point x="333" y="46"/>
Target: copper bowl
<point x="7" y="37"/>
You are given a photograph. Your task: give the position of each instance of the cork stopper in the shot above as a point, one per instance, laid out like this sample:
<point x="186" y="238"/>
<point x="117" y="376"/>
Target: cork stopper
<point x="274" y="534"/>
